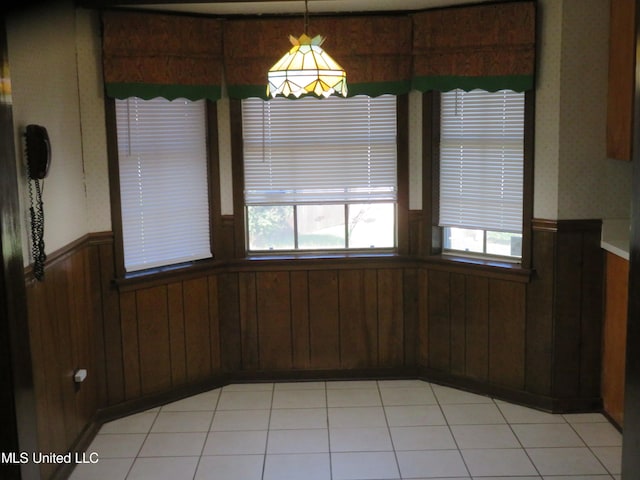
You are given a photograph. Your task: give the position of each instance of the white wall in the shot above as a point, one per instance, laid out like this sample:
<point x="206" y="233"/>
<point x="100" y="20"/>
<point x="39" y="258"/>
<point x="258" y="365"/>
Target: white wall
<point x="573" y="177"/>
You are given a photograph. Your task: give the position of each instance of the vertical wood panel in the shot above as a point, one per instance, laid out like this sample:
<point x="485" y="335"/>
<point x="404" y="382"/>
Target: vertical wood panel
<point x="423" y="318"/>
<point x="96" y="306"/>
<point x="214" y="325"/>
<point x="112" y="327"/>
<point x="324" y="319"/>
<point x="274" y="320"/>
<point x="458" y="324"/>
<point x="506" y="333"/>
<point x="568" y="314"/>
<point x="230" y="333"/>
<point x="411" y="315"/>
<point x="130" y="345"/>
<point x="155" y="350"/>
<point x="540" y="312"/>
<point x="391" y="332"/>
<point x="357" y="332"/>
<point x="249" y="321"/>
<point x="197" y="331"/>
<point x="175" y="309"/>
<point x="439" y="334"/>
<point x="477" y="328"/>
<point x="591" y="308"/>
<point x="300" y="319"/>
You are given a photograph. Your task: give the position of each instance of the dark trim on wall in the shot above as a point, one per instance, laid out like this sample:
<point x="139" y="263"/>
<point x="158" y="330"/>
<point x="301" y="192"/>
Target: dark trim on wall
<point x="631" y="438"/>
<point x="17" y="394"/>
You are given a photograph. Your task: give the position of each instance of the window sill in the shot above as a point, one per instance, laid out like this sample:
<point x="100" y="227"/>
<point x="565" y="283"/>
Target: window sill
<point x="484" y="267"/>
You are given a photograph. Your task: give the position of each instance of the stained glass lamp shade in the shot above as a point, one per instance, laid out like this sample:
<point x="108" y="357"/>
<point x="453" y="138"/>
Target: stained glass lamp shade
<point x="306" y="69"/>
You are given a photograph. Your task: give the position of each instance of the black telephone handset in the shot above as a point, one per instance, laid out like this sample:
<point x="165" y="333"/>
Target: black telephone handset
<point x="38" y="151"/>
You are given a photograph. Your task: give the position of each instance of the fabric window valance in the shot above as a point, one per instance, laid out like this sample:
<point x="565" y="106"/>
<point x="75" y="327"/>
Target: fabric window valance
<point x="155" y="55"/>
<point x="489" y="47"/>
<point x="375" y="51"/>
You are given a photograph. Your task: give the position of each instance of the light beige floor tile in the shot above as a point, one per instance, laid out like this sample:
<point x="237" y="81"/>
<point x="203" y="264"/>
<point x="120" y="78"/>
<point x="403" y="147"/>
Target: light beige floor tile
<point x="360" y="439"/>
<point x="298" y="441"/>
<point x="452" y="396"/>
<point x="226" y="420"/>
<point x="601" y="434"/>
<point x="353" y="397"/>
<point x="519" y="414"/>
<point x="611" y="458"/>
<point x="474" y="414"/>
<point x="484" y="436"/>
<point x="565" y="461"/>
<point x="230" y="467"/>
<point x="235" y="400"/>
<point x="290" y="418"/>
<point x="299" y="386"/>
<point x="585" y="418"/>
<point x="137" y="423"/>
<point x="408" y="396"/>
<point x="413" y="415"/>
<point x="349" y="384"/>
<point x="117" y="445"/>
<point x="170" y="422"/>
<point x="248" y="387"/>
<point x="547" y="435"/>
<point x="236" y="443"/>
<point x="310" y="466"/>
<point x="201" y="402"/>
<point x="299" y="399"/>
<point x="347" y="417"/>
<point x="364" y="466"/>
<point x="408" y="383"/>
<point x="431" y="463"/>
<point x="498" y="462"/>
<point x="173" y="445"/>
<point x="422" y="438"/>
<point x="166" y="468"/>
<point x="105" y="469"/>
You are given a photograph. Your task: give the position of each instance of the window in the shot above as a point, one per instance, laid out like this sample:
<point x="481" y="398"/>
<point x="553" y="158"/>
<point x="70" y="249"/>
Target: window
<point x="481" y="172"/>
<point x="320" y="174"/>
<point x="162" y="160"/>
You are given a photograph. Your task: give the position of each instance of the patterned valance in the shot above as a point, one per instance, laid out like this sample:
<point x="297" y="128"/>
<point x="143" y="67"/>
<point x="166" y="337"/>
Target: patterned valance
<point x="172" y="56"/>
<point x="374" y="50"/>
<point x="491" y="47"/>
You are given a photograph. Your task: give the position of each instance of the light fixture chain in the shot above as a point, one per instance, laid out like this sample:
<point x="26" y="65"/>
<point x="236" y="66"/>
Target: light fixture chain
<point x="306" y="17"/>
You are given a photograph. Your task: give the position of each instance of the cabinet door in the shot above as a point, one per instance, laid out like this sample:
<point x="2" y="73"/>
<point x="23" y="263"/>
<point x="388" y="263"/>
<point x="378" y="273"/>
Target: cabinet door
<point x="615" y="336"/>
<point x="621" y="79"/>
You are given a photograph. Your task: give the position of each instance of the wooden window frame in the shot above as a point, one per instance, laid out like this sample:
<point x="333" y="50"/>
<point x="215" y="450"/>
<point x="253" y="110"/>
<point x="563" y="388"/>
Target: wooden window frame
<point x="433" y="240"/>
<point x="213" y="185"/>
<point x="402" y="202"/>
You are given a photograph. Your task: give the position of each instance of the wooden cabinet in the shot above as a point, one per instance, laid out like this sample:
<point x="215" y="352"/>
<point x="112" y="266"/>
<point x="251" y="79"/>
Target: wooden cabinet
<point x="615" y="336"/>
<point x="621" y="79"/>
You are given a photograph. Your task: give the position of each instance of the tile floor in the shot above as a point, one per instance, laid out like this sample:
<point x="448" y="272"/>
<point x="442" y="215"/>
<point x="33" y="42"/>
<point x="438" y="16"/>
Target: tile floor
<point x="352" y="430"/>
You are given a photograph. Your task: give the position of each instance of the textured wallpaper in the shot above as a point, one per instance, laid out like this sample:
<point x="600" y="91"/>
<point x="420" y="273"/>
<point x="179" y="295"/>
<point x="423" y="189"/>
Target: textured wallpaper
<point x="42" y="59"/>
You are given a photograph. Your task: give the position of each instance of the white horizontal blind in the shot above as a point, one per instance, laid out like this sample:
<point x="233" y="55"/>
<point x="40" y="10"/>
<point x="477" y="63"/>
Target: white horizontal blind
<point x="163" y="181"/>
<point x="481" y="160"/>
<point x="309" y="150"/>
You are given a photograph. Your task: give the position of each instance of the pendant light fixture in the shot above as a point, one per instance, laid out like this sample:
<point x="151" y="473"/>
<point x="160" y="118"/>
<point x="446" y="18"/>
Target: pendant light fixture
<point x="306" y="69"/>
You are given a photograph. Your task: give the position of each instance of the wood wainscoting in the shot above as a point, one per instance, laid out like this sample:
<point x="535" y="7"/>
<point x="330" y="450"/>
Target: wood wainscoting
<point x="529" y="336"/>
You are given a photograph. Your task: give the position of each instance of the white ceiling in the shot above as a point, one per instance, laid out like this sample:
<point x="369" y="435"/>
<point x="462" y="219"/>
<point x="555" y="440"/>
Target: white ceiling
<point x="232" y="7"/>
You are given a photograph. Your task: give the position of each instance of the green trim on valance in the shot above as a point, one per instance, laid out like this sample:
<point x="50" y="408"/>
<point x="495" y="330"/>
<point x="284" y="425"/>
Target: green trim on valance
<point x="445" y="83"/>
<point x="148" y="91"/>
<point x="372" y="89"/>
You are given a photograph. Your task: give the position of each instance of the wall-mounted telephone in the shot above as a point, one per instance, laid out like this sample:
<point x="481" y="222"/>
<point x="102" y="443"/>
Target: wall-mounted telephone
<point x="38" y="153"/>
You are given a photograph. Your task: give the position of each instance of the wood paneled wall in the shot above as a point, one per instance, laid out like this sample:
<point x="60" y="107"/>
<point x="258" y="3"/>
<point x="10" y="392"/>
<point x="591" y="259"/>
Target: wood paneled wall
<point x="531" y="337"/>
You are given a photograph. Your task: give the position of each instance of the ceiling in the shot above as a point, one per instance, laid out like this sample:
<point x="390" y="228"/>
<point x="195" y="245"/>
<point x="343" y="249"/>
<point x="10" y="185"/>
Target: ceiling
<point x="258" y="7"/>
